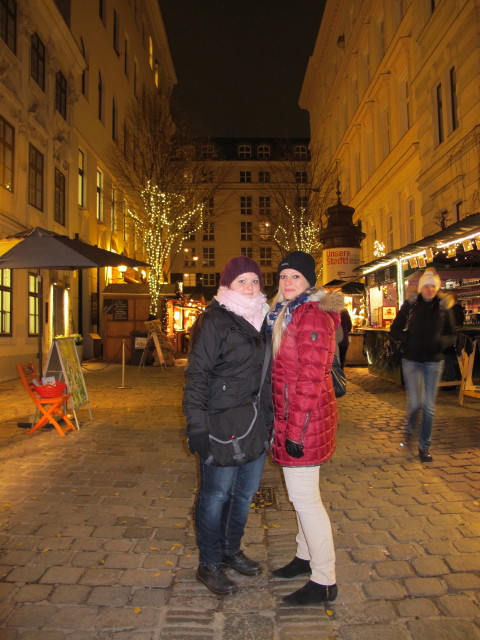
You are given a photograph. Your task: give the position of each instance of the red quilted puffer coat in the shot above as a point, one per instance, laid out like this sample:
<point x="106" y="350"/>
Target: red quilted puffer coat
<point x="303" y="396"/>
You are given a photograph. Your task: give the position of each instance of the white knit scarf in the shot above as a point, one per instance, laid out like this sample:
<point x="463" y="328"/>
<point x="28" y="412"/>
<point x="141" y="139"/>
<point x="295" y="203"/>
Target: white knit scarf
<point x="251" y="309"/>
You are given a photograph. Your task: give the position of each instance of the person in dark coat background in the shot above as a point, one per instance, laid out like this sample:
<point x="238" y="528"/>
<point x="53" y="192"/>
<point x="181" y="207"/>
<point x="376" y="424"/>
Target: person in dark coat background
<point x="425" y="327"/>
<point x="302" y="323"/>
<point x="346" y="324"/>
<point x="223" y="375"/>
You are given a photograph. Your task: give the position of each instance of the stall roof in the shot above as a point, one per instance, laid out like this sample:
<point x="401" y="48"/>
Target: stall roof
<point x="168" y="290"/>
<point x="460" y="229"/>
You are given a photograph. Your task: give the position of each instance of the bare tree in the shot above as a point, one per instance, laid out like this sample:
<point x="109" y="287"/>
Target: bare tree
<point x="301" y="191"/>
<point x="167" y="185"/>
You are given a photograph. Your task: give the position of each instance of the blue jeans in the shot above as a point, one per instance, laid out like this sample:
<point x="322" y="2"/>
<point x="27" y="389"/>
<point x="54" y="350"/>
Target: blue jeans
<point x="222" y="508"/>
<point x="421" y="384"/>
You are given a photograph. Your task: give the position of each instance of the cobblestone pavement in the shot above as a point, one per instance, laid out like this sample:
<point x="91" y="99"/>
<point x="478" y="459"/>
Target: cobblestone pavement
<point x="97" y="538"/>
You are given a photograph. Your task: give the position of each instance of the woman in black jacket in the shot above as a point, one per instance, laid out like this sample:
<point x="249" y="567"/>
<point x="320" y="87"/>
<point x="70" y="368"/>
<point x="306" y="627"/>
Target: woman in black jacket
<point x="426" y="328"/>
<point x="223" y="380"/>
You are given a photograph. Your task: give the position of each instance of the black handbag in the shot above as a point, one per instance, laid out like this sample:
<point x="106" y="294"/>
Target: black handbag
<point x="234" y="436"/>
<point x="338" y="378"/>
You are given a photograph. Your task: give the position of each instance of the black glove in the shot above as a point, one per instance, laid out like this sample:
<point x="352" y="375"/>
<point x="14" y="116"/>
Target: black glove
<point x="294" y="449"/>
<point x="200" y="443"/>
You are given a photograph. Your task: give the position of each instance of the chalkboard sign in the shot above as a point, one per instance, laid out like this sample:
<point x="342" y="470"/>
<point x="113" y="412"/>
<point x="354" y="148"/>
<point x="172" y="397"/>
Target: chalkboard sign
<point x="63" y="363"/>
<point x="118" y="309"/>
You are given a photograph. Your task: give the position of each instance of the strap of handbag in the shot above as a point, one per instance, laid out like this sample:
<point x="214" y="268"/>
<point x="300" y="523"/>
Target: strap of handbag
<point x="266" y="362"/>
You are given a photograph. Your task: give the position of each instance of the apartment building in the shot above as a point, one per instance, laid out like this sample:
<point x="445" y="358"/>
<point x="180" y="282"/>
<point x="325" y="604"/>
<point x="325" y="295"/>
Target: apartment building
<point x="256" y="179"/>
<point x="68" y="73"/>
<point x="392" y="89"/>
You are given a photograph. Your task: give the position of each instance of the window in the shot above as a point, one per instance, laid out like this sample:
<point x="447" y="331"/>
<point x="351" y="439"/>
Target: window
<point x="300" y="176"/>
<point x="61" y="94"/>
<point x="209" y="206"/>
<point x="459" y="210"/>
<point x="35" y="178"/>
<point x="190" y="232"/>
<point x="247" y="252"/>
<point x="265" y="256"/>
<point x="263" y="152"/>
<point x="32" y="305"/>
<point x="208" y="257"/>
<point x="453" y="99"/>
<point x="267" y="278"/>
<point x="301" y="202"/>
<point x="245" y="176"/>
<point x="156" y="74"/>
<point x="207" y="151"/>
<point x="264" y="176"/>
<point x="8" y="23"/>
<point x="246" y="205"/>
<point x="114" y="119"/>
<point x="115" y="33"/>
<point x="84" y="82"/>
<point x="37" y="61"/>
<point x="113" y="211"/>
<point x="390" y="232"/>
<point x="150" y="52"/>
<point x="209" y="279"/>
<point x="125" y="57"/>
<point x="81" y="178"/>
<point x="411" y="221"/>
<point x="100" y="97"/>
<point x="244" y="152"/>
<point x="6" y="292"/>
<point x="440" y="135"/>
<point x="246" y="231"/>
<point x="385" y="133"/>
<point x="208" y="231"/>
<point x="189" y="279"/>
<point x="7" y="147"/>
<point x="264" y="205"/>
<point x="265" y="230"/>
<point x="59" y="210"/>
<point x="189" y="257"/>
<point x="99" y="195"/>
<point x="300" y="152"/>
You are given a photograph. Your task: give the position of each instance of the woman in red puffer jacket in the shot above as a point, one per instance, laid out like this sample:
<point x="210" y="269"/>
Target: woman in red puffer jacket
<point x="302" y="324"/>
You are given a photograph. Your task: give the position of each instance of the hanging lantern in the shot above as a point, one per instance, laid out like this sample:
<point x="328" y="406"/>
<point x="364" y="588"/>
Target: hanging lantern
<point x="429" y="255"/>
<point x="477" y="242"/>
<point x="413" y="263"/>
<point x="467" y="245"/>
<point x="452" y="251"/>
<point x="421" y="262"/>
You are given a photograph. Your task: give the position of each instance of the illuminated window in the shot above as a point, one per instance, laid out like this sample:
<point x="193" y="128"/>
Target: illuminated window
<point x="99" y="194"/>
<point x="33" y="316"/>
<point x="265" y="230"/>
<point x="81" y="178"/>
<point x="6" y="292"/>
<point x="189" y="257"/>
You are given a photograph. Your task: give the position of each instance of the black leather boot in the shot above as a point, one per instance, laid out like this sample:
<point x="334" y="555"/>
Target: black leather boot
<point x="242" y="564"/>
<point x="312" y="593"/>
<point x="424" y="455"/>
<point x="216" y="580"/>
<point x="294" y="568"/>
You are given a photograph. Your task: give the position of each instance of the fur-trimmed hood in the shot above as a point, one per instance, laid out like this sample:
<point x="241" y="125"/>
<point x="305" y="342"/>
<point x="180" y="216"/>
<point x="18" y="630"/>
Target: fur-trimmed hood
<point x="446" y="299"/>
<point x="333" y="301"/>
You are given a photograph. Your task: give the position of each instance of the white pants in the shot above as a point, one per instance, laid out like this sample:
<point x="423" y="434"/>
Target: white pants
<point x="314" y="538"/>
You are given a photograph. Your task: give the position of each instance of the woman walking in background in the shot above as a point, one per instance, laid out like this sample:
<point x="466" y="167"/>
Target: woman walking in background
<point x="302" y="323"/>
<point x="426" y="328"/>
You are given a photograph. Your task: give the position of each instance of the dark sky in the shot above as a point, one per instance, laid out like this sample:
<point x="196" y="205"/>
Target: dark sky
<point x="240" y="63"/>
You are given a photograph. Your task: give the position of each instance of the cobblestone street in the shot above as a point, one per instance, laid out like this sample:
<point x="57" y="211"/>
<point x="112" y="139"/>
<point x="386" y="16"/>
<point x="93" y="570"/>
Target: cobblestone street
<point x="97" y="539"/>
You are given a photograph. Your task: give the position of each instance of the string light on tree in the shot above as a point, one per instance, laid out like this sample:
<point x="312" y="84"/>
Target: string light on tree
<point x="378" y="249"/>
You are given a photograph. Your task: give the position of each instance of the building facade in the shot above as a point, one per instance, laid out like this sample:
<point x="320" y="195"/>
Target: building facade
<point x="68" y="73"/>
<point x="393" y="93"/>
<point x="257" y="180"/>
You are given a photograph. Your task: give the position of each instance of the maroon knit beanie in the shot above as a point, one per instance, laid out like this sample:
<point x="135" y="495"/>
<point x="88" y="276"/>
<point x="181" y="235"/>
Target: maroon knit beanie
<point x="235" y="267"/>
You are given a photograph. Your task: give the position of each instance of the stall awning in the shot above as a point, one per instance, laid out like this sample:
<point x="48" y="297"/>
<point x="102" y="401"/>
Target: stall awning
<point x="469" y="226"/>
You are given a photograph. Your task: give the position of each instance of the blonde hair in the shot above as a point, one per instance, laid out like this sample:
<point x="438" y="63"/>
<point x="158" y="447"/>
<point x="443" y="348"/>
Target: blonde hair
<point x="278" y="328"/>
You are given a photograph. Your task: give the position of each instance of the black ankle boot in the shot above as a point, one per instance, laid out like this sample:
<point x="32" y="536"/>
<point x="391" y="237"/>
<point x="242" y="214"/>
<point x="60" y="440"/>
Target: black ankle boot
<point x="312" y="593"/>
<point x="216" y="580"/>
<point x="294" y="568"/>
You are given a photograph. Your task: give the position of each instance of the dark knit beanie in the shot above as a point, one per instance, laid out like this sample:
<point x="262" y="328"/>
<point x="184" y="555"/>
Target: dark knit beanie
<point x="235" y="267"/>
<point x="302" y="262"/>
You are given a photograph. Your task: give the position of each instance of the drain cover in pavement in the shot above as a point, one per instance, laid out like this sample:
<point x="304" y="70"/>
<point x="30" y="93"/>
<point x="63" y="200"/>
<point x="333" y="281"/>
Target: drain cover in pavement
<point x="265" y="497"/>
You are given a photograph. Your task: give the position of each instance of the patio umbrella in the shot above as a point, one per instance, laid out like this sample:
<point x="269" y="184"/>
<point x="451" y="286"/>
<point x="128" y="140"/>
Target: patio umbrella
<point x="39" y="248"/>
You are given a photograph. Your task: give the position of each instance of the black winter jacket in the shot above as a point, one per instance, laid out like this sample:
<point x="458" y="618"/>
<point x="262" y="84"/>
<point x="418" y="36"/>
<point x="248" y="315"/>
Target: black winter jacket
<point x="431" y="328"/>
<point x="224" y="370"/>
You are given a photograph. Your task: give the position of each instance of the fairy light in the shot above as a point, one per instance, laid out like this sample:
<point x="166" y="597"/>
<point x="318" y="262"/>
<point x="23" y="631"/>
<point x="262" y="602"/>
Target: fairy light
<point x="166" y="220"/>
<point x="304" y="233"/>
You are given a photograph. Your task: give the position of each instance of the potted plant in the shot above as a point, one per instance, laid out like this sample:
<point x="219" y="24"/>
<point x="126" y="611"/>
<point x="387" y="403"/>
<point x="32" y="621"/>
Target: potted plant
<point x="78" y="339"/>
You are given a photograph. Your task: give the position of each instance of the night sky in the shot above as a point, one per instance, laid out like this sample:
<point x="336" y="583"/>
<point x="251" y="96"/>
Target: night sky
<point x="240" y="63"/>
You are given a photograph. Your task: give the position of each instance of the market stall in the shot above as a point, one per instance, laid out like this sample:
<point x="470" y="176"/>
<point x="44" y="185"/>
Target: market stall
<point x="181" y="315"/>
<point x="454" y="252"/>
